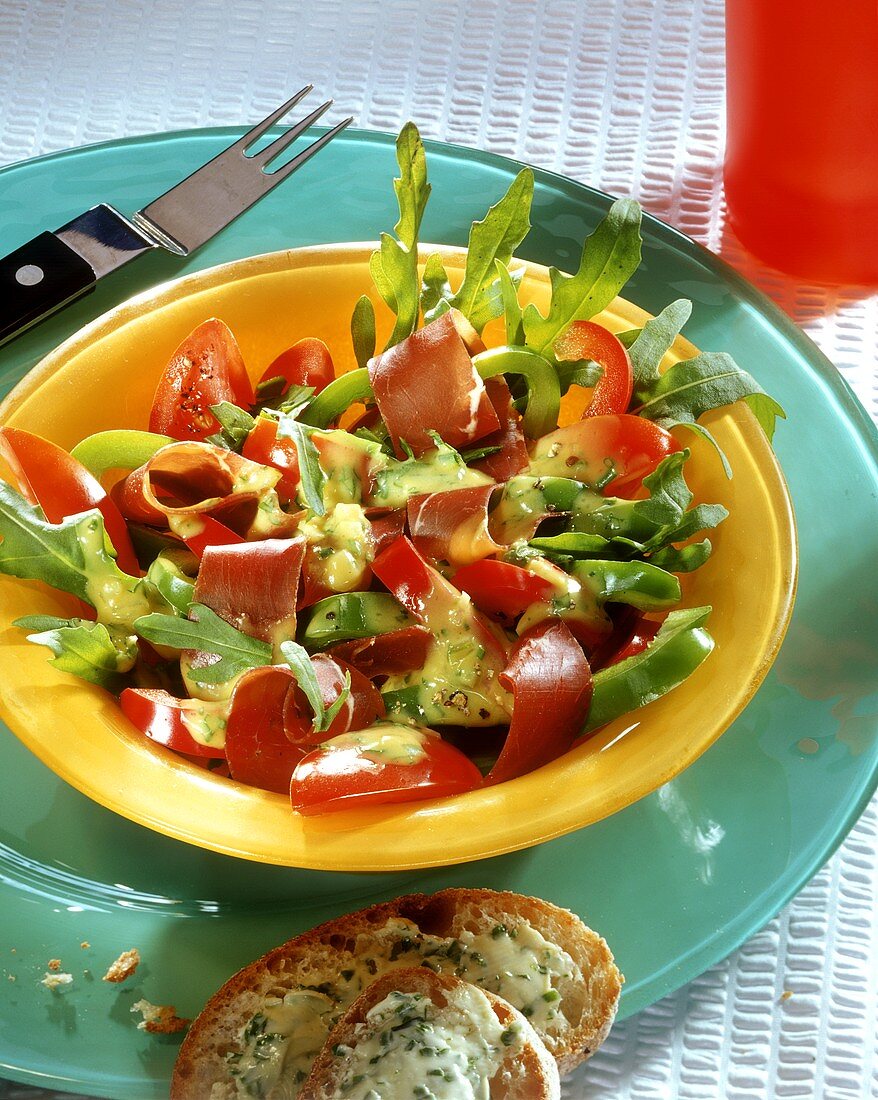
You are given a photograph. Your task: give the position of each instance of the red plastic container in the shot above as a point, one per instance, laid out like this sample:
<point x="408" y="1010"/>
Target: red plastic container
<point x="801" y="167"/>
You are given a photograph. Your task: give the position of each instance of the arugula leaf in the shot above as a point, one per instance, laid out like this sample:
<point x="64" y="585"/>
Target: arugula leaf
<point x="512" y="310"/>
<point x="476" y="453"/>
<point x="436" y="292"/>
<point x="711" y="380"/>
<point x="311" y="475"/>
<point x="235" y="426"/>
<point x="492" y="243"/>
<point x="683" y="559"/>
<point x="299" y="660"/>
<point x="205" y="632"/>
<point x="394" y="266"/>
<point x="655" y="338"/>
<point x="73" y="556"/>
<point x="85" y="649"/>
<point x="578" y="372"/>
<point x="647" y="528"/>
<point x="295" y="399"/>
<point x="610" y="256"/>
<point x="363" y="330"/>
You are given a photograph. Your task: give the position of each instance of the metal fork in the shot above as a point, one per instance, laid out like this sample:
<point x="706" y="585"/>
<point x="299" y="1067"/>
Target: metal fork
<point x="57" y="267"/>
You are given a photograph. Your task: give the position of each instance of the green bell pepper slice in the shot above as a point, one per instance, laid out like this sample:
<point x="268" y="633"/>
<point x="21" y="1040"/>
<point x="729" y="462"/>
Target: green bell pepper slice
<point x="677" y="650"/>
<point x="637" y="583"/>
<point x="543" y="389"/>
<point x="123" y="449"/>
<point x="350" y="615"/>
<point x="338" y="396"/>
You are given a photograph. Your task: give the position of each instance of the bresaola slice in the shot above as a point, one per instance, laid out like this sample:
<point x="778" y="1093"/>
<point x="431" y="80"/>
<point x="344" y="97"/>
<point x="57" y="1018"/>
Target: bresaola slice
<point x="385" y="654"/>
<point x="453" y="526"/>
<point x="186" y="480"/>
<point x="427" y="383"/>
<point x="253" y="585"/>
<point x="552" y="686"/>
<point x="512" y="457"/>
<point x="270" y="725"/>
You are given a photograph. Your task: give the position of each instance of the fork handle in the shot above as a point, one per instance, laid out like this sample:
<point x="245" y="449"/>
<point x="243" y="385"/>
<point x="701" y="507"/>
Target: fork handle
<point x="38" y="278"/>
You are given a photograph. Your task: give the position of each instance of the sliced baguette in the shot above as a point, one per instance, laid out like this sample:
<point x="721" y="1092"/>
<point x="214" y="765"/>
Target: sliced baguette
<point x="510" y="1056"/>
<point x="586" y="1008"/>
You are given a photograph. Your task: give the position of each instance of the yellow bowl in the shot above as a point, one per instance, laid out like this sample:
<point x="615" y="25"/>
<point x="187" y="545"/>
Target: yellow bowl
<point x="104" y="377"/>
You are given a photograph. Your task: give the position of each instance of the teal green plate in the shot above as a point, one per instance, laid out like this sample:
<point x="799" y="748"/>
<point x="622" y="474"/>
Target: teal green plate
<point x="674" y="882"/>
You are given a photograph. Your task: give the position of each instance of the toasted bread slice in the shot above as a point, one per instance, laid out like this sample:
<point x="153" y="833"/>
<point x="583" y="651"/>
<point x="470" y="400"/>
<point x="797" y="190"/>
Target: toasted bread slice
<point x="415" y="1029"/>
<point x="259" y="1034"/>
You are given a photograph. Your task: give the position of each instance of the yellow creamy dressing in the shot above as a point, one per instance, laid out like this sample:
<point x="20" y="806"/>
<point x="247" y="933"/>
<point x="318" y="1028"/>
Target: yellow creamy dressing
<point x="571" y="601"/>
<point x="457" y="684"/>
<point x="436" y="471"/>
<point x="206" y="721"/>
<point x="513" y="960"/>
<point x="116" y="597"/>
<point x="388" y="742"/>
<point x="342" y="544"/>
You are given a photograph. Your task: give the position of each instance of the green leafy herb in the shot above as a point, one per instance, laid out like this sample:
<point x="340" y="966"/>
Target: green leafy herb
<point x="610" y="257"/>
<point x="295" y="399"/>
<point x="73" y="556"/>
<point x="492" y="243"/>
<point x="205" y="632"/>
<point x="578" y="372"/>
<point x="88" y="650"/>
<point x="299" y="660"/>
<point x="691" y="388"/>
<point x="363" y="330"/>
<point x="235" y="426"/>
<point x="474" y="454"/>
<point x="394" y="266"/>
<point x="311" y="475"/>
<point x="512" y="310"/>
<point x="654" y="340"/>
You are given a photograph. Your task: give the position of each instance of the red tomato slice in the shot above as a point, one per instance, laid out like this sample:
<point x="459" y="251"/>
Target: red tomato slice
<point x="552" y="684"/>
<point x="159" y="715"/>
<point x="211" y="533"/>
<point x="205" y="369"/>
<point x="591" y="448"/>
<point x="48" y="476"/>
<point x="306" y="363"/>
<point x="341" y="777"/>
<point x="587" y="340"/>
<point x="262" y="445"/>
<point x="502" y="589"/>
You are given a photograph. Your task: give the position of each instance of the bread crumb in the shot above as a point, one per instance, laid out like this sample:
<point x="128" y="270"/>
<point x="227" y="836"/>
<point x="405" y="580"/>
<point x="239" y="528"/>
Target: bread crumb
<point x="55" y="964"/>
<point x="55" y="981"/>
<point x="124" y="966"/>
<point x="85" y="944"/>
<point x="159" y="1019"/>
<point x="10" y="977"/>
<point x="785" y="996"/>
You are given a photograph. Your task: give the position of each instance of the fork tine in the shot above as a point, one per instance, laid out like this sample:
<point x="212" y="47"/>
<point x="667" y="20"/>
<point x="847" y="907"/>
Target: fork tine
<point x="265" y="156"/>
<point x="275" y="177"/>
<point x="260" y="127"/>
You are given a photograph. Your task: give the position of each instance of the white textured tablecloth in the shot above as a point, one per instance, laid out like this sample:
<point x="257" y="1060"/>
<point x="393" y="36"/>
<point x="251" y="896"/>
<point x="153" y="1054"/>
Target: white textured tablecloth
<point x="625" y="96"/>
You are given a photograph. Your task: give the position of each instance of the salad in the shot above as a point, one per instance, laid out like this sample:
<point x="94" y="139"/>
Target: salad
<point x="439" y="570"/>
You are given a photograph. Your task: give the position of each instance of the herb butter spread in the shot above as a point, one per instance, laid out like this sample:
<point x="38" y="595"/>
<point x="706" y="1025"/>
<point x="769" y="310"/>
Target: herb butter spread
<point x="513" y="960"/>
<point x="408" y="1047"/>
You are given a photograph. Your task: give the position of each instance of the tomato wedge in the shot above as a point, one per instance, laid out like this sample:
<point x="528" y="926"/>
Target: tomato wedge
<point x="364" y="769"/>
<point x="206" y="368"/>
<point x="48" y="476"/>
<point x="262" y="445"/>
<point x="159" y="715"/>
<point x="587" y="340"/>
<point x="552" y="685"/>
<point x="307" y="363"/>
<point x="502" y="589"/>
<point x="613" y="452"/>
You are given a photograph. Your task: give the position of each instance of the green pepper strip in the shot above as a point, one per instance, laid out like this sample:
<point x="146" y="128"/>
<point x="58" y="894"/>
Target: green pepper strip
<point x="673" y="655"/>
<point x="637" y="583"/>
<point x="543" y="390"/>
<point x="353" y="615"/>
<point x="338" y="396"/>
<point x="124" y="449"/>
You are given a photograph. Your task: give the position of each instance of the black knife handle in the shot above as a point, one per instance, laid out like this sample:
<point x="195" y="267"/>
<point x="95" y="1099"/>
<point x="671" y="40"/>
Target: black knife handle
<point x="37" y="279"/>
